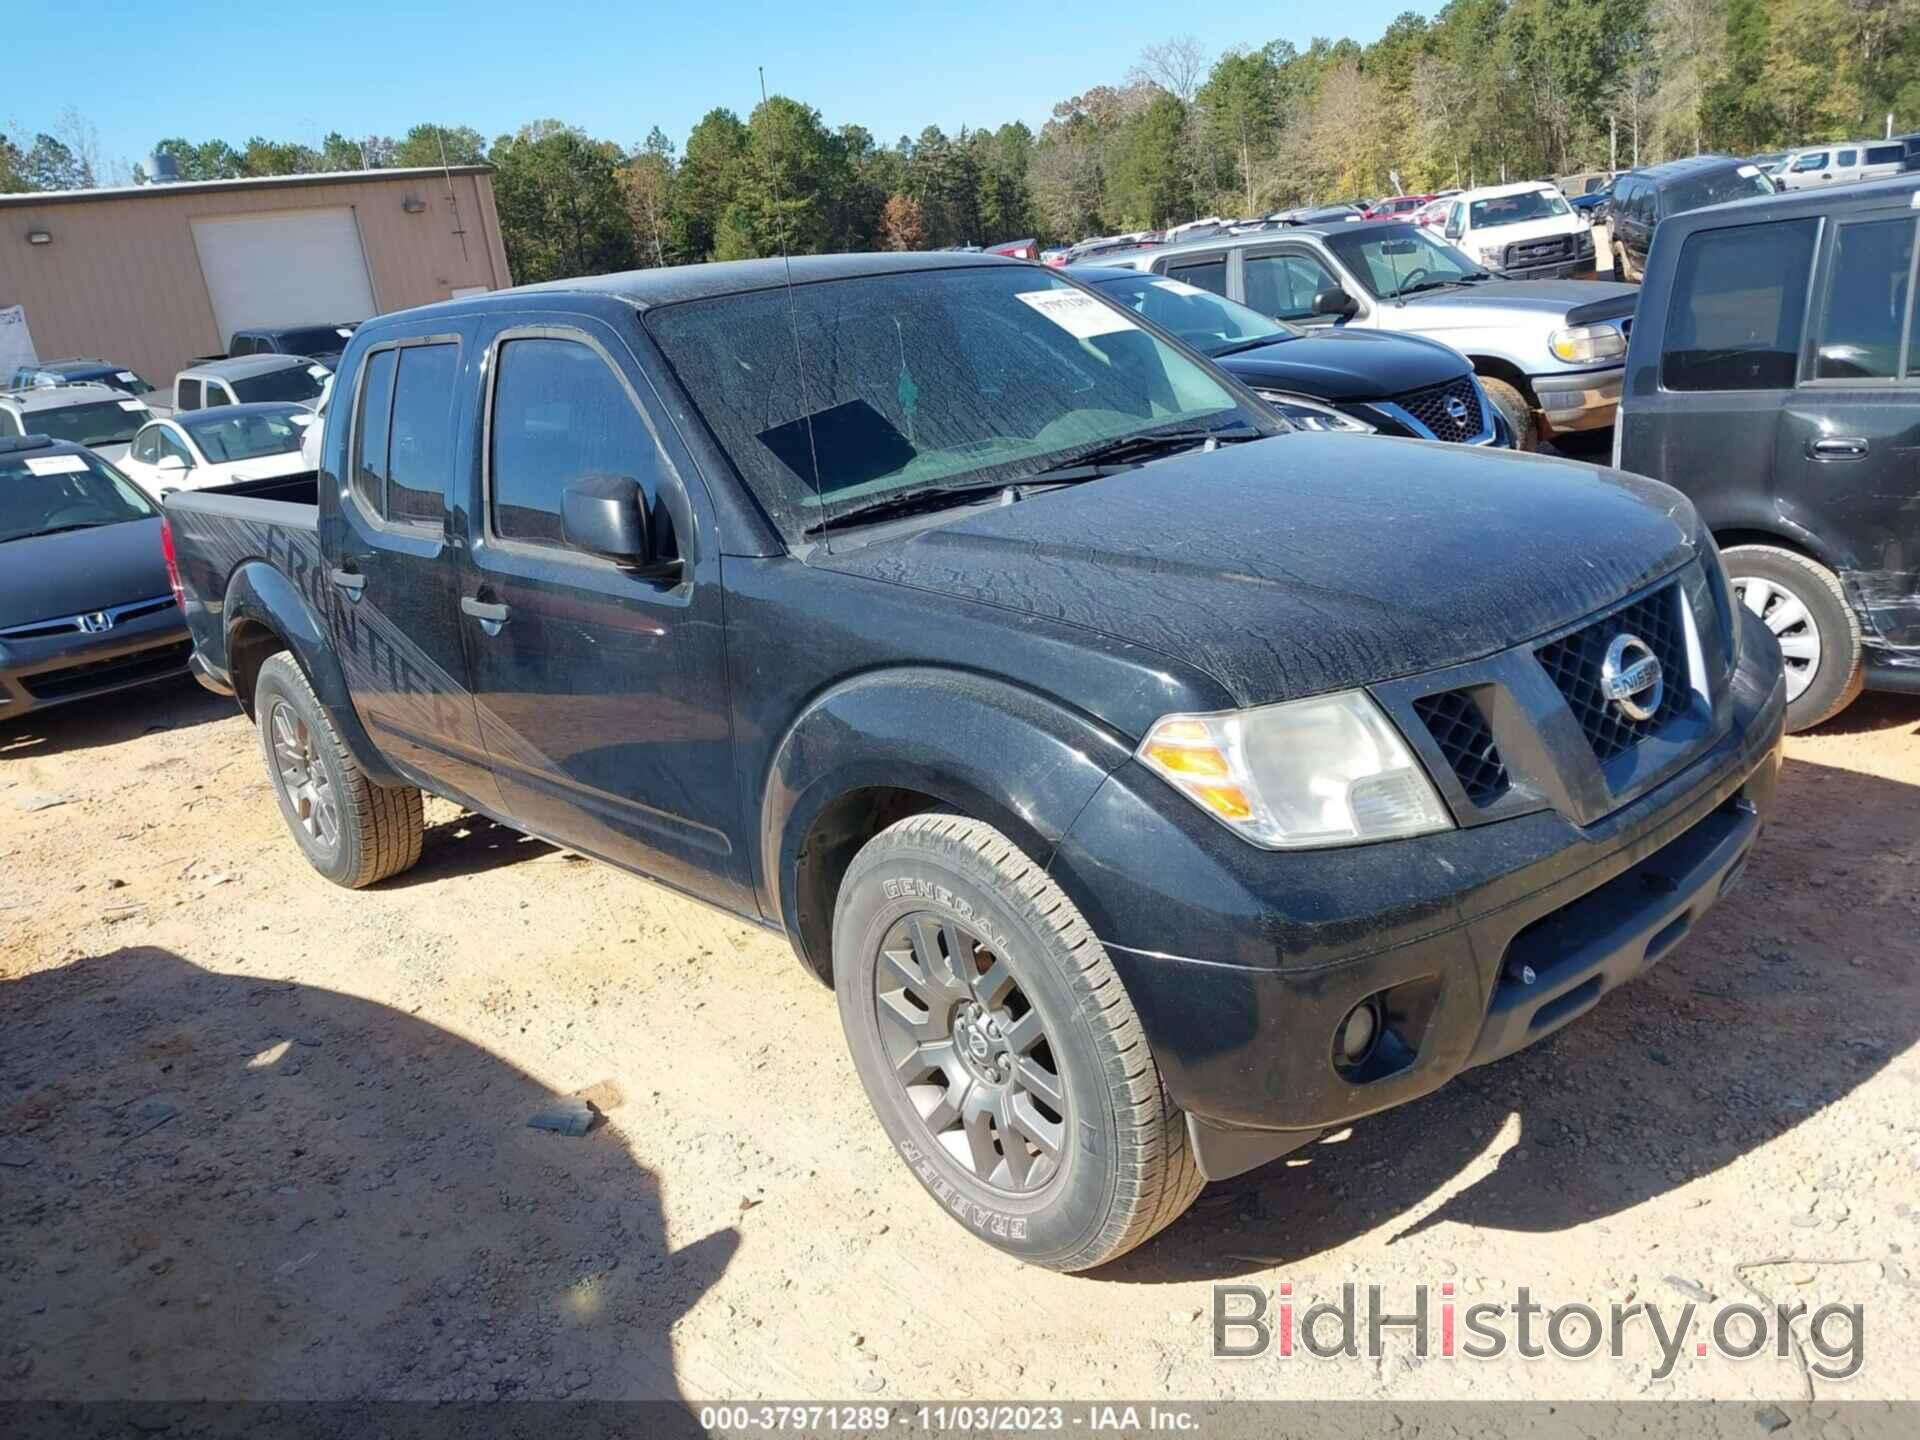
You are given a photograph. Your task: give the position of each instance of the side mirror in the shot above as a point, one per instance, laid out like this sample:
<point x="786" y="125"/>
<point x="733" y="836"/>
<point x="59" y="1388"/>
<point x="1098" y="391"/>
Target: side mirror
<point x="606" y="515"/>
<point x="1336" y="302"/>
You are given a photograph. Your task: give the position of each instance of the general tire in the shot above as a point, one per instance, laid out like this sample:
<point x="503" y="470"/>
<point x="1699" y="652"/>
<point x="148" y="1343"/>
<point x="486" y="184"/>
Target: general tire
<point x="376" y="829"/>
<point x="1124" y="1170"/>
<point x="1835" y="681"/>
<point x="1512" y="404"/>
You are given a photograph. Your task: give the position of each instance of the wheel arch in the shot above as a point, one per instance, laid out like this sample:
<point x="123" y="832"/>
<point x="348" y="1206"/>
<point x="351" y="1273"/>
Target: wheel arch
<point x="889" y="744"/>
<point x="263" y="615"/>
<point x="1502" y="369"/>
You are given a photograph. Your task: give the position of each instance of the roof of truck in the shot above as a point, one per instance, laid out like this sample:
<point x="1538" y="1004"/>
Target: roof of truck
<point x="728" y="277"/>
<point x="1820" y="200"/>
<point x="60" y="397"/>
<point x="245" y="366"/>
<point x="1685" y="168"/>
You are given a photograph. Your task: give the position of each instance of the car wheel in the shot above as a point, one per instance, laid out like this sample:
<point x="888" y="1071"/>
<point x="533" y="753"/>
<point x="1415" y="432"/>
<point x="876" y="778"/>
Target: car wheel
<point x="351" y="830"/>
<point x="1519" y="414"/>
<point x="1623" y="267"/>
<point x="1001" y="1054"/>
<point x="1802" y="603"/>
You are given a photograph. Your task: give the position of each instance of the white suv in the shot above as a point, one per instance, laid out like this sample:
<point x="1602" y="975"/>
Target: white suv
<point x="1525" y="231"/>
<point x="1840" y="164"/>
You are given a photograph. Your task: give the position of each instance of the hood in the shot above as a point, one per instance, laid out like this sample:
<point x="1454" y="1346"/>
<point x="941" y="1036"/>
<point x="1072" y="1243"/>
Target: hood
<point x="50" y="576"/>
<point x="1505" y="235"/>
<point x="112" y="454"/>
<point x="1309" y="562"/>
<point x="1550" y="299"/>
<point x="1342" y="364"/>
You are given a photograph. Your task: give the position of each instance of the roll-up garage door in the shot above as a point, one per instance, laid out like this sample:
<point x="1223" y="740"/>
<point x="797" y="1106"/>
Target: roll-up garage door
<point x="284" y="267"/>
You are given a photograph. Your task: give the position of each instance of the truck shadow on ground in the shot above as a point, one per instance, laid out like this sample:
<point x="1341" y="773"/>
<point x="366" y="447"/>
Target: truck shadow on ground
<point x="468" y="844"/>
<point x="111" y="719"/>
<point x="224" y="1187"/>
<point x="1781" y="1003"/>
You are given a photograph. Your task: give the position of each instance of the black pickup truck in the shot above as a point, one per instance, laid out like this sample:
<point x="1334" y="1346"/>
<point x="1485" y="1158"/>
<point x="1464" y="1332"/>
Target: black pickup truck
<point x="1156" y="786"/>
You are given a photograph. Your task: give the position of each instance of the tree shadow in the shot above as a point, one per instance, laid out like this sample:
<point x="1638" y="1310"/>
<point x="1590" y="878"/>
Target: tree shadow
<point x="114" y="719"/>
<point x="227" y="1188"/>
<point x="1778" y="1005"/>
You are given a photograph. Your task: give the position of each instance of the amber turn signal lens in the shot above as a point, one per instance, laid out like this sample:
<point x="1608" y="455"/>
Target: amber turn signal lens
<point x="1189" y="760"/>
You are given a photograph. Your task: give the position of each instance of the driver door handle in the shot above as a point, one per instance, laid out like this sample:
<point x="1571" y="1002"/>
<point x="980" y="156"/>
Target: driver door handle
<point x="483" y="612"/>
<point x="1838" y="447"/>
<point x="351" y="581"/>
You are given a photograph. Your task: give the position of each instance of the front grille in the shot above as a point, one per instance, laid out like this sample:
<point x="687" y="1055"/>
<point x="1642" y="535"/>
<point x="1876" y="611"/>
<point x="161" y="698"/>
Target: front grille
<point x="1458" y="727"/>
<point x="106" y="674"/>
<point x="1429" y="407"/>
<point x="68" y="624"/>
<point x="1573" y="663"/>
<point x="1545" y="251"/>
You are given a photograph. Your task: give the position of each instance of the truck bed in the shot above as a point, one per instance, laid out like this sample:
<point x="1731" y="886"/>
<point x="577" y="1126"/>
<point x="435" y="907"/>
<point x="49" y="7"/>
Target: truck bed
<point x="218" y="530"/>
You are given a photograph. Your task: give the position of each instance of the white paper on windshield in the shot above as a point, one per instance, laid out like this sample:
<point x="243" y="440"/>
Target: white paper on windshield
<point x="1179" y="287"/>
<point x="1914" y="204"/>
<point x="127" y="375"/>
<point x="303" y="419"/>
<point x="343" y="332"/>
<point x="57" y="465"/>
<point x="1747" y="172"/>
<point x="319" y="372"/>
<point x="133" y="404"/>
<point x="1077" y="314"/>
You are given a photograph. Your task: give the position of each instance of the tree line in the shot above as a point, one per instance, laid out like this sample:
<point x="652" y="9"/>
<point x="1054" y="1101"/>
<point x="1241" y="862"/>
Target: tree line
<point x="1485" y="90"/>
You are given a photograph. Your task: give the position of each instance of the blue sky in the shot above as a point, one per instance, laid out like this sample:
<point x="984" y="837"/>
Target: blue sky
<point x="234" y="70"/>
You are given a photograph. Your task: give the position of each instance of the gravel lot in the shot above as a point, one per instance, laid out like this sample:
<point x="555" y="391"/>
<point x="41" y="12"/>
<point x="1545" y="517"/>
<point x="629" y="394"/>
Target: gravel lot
<point x="260" y="1137"/>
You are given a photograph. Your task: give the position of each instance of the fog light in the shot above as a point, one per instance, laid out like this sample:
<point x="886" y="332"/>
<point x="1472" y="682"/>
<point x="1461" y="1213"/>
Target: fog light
<point x="1358" y="1032"/>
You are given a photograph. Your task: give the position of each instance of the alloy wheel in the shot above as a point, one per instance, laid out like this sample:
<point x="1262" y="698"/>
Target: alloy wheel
<point x="309" y="790"/>
<point x="971" y="1053"/>
<point x="1792" y="624"/>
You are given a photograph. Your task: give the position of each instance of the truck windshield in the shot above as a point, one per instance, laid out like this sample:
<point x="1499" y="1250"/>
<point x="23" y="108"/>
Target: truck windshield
<point x="226" y="434"/>
<point x="103" y="422"/>
<point x="839" y="394"/>
<point x="42" y="494"/>
<point x="297" y="383"/>
<point x="1513" y="209"/>
<point x="1397" y="261"/>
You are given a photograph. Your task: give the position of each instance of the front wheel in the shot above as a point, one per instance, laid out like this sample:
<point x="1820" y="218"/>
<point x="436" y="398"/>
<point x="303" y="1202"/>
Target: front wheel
<point x="1519" y="414"/>
<point x="1000" y="1052"/>
<point x="1802" y="603"/>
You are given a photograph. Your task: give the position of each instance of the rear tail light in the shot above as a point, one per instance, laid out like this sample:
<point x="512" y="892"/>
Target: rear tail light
<point x="173" y="564"/>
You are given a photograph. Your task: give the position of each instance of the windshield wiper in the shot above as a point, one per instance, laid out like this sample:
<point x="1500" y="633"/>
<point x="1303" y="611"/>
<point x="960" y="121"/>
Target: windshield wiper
<point x="910" y="502"/>
<point x="1254" y="344"/>
<point x="1153" y="444"/>
<point x="60" y="530"/>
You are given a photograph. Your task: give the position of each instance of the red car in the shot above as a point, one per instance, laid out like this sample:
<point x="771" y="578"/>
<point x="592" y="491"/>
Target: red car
<point x="1397" y="207"/>
<point x="1018" y="249"/>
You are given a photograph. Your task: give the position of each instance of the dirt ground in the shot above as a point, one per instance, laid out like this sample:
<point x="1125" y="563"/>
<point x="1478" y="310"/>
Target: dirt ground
<point x="261" y="1137"/>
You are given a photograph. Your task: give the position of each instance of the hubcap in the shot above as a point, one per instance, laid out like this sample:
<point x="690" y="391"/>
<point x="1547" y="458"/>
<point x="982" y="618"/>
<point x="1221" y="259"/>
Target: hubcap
<point x="315" y="807"/>
<point x="970" y="1053"/>
<point x="1787" y="616"/>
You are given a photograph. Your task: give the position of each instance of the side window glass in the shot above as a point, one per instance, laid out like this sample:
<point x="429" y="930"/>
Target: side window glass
<point x="560" y="414"/>
<point x="1283" y="286"/>
<point x="1867" y="301"/>
<point x="189" y="394"/>
<point x="420" y="444"/>
<point x="1734" y="322"/>
<point x="9" y="426"/>
<point x="370" y="426"/>
<point x="1202" y="274"/>
<point x="1846" y="157"/>
<point x="145" y="447"/>
<point x="169" y="444"/>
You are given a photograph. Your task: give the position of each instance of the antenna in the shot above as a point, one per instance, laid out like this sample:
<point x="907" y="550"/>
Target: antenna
<point x="793" y="322"/>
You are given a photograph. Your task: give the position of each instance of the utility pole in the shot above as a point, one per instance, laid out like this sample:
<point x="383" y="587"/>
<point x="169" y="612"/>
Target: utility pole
<point x="1613" y="142"/>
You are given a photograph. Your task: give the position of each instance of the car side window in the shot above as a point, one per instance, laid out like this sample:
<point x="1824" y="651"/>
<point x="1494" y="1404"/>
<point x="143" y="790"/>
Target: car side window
<point x="1209" y="274"/>
<point x="146" y="446"/>
<point x="1886" y="154"/>
<point x="1739" y="294"/>
<point x="1816" y="161"/>
<point x="9" y="426"/>
<point x="189" y="397"/>
<point x="560" y="414"/>
<point x="167" y="443"/>
<point x="1283" y="286"/>
<point x="420" y="434"/>
<point x="1846" y="157"/>
<point x="1867" y="301"/>
<point x="373" y="414"/>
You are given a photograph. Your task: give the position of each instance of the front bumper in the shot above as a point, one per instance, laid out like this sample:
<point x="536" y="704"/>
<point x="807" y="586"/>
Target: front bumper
<point x="53" y="670"/>
<point x="1586" y="401"/>
<point x="1245" y="1034"/>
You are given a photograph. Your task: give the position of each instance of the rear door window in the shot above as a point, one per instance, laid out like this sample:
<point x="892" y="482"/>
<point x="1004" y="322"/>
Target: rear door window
<point x="372" y="420"/>
<point x="189" y="396"/>
<point x="1209" y="273"/>
<point x="1739" y="298"/>
<point x="1886" y="154"/>
<point x="420" y="435"/>
<point x="1846" y="158"/>
<point x="1868" y="298"/>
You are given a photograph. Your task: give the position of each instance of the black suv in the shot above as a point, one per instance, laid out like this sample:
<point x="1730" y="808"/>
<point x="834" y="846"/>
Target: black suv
<point x="316" y="342"/>
<point x="1643" y="198"/>
<point x="1774" y="376"/>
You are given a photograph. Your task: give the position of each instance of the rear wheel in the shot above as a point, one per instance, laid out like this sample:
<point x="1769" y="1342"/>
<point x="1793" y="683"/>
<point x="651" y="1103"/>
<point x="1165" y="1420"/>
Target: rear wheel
<point x="1000" y="1052"/>
<point x="1802" y="603"/>
<point x="1622" y="266"/>
<point x="1519" y="414"/>
<point x="351" y="830"/>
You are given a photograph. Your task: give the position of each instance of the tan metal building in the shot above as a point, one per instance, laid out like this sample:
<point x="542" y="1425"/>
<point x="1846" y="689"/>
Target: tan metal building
<point x="151" y="276"/>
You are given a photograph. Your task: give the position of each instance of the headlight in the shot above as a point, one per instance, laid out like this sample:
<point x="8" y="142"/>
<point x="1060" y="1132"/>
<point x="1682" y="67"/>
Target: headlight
<point x="1297" y="776"/>
<point x="1587" y="342"/>
<point x="1726" y="606"/>
<point x="1311" y="414"/>
<point x="1491" y="254"/>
